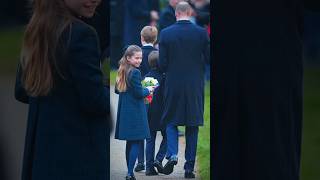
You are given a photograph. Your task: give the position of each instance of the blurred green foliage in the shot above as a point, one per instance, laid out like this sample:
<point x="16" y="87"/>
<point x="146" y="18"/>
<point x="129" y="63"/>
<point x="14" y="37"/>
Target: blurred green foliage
<point x="10" y="47"/>
<point x="310" y="165"/>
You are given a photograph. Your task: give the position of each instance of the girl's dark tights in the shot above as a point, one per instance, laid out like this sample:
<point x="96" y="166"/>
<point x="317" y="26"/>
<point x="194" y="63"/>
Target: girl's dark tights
<point x="132" y="150"/>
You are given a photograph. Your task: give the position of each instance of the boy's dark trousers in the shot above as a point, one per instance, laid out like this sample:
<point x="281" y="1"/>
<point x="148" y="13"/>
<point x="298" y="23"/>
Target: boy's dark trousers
<point x="150" y="148"/>
<point x="191" y="136"/>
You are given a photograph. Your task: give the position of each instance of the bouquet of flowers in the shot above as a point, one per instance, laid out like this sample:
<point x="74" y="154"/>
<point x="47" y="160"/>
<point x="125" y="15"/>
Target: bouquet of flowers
<point x="147" y="82"/>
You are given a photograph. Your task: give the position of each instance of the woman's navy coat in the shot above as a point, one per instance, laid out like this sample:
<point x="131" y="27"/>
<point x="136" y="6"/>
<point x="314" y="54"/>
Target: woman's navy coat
<point x="183" y="53"/>
<point x="67" y="130"/>
<point x="132" y="123"/>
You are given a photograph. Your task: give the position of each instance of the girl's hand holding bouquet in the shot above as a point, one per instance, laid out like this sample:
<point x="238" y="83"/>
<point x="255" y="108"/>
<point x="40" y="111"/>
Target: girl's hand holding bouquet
<point x="149" y="83"/>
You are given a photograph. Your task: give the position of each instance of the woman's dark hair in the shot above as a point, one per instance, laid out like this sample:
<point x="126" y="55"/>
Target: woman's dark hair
<point x="38" y="58"/>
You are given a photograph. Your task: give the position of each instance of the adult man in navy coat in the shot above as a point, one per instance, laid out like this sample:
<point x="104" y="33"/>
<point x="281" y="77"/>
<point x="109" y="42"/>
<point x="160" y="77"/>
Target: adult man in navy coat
<point x="183" y="49"/>
<point x="137" y="14"/>
<point x="258" y="76"/>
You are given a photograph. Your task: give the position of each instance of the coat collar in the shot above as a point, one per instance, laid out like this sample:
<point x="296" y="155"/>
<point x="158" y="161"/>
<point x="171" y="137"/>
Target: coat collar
<point x="147" y="47"/>
<point x="184" y="22"/>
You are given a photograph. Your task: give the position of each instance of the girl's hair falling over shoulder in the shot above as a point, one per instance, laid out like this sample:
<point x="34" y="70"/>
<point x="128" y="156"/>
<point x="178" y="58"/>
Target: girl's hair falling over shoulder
<point x="125" y="67"/>
<point x="38" y="57"/>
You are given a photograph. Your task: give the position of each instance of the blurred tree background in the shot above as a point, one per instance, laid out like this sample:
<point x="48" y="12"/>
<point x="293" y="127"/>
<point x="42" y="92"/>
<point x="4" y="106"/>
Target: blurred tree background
<point x="14" y="15"/>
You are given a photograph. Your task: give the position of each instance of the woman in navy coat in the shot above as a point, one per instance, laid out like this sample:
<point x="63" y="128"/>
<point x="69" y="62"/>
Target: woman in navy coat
<point x="67" y="130"/>
<point x="132" y="124"/>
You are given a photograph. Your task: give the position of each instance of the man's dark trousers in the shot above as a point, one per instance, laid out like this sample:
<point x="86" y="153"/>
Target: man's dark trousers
<point x="191" y="136"/>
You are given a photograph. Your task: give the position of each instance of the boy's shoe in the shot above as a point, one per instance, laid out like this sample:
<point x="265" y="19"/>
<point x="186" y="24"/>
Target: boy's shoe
<point x="139" y="167"/>
<point x="130" y="177"/>
<point x="159" y="166"/>
<point x="151" y="172"/>
<point x="168" y="168"/>
<point x="189" y="175"/>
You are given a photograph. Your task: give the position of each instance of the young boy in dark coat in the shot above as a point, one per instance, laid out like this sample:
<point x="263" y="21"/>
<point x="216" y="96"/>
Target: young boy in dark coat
<point x="154" y="117"/>
<point x="148" y="38"/>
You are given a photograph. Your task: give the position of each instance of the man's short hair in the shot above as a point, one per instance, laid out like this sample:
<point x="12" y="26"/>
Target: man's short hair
<point x="149" y="34"/>
<point x="153" y="59"/>
<point x="183" y="7"/>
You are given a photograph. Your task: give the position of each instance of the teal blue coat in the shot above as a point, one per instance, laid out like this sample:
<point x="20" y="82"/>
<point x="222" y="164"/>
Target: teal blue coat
<point x="132" y="122"/>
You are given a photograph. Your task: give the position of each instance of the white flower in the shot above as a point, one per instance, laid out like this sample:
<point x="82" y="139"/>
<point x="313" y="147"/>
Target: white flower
<point x="154" y="81"/>
<point x="151" y="81"/>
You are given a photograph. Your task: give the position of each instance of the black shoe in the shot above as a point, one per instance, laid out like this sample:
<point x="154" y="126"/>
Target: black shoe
<point x="168" y="168"/>
<point x="151" y="172"/>
<point x="159" y="166"/>
<point x="130" y="177"/>
<point x="139" y="167"/>
<point x="189" y="175"/>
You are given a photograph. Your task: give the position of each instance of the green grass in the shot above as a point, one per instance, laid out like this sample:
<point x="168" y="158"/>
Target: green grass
<point x="113" y="75"/>
<point x="10" y="46"/>
<point x="203" y="154"/>
<point x="310" y="164"/>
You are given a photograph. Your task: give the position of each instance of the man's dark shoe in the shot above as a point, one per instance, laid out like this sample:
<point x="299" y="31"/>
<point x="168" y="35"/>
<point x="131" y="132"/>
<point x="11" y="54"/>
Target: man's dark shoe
<point x="189" y="175"/>
<point x="151" y="172"/>
<point x="168" y="168"/>
<point x="130" y="178"/>
<point x="139" y="167"/>
<point x="159" y="166"/>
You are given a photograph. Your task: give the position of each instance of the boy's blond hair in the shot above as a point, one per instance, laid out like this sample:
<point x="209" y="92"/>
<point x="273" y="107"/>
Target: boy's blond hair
<point x="149" y="34"/>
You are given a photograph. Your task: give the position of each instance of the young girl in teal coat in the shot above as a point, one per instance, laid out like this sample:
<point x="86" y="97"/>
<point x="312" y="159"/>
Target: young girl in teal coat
<point x="132" y="123"/>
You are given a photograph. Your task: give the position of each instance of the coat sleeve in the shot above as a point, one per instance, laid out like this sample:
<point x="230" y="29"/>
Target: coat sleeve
<point x="206" y="49"/>
<point x="19" y="92"/>
<point x="136" y="10"/>
<point x="86" y="74"/>
<point x="163" y="54"/>
<point x="135" y="85"/>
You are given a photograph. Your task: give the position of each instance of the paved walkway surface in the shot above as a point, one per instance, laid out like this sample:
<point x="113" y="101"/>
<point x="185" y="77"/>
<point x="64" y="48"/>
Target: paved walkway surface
<point x="13" y="118"/>
<point x="118" y="168"/>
